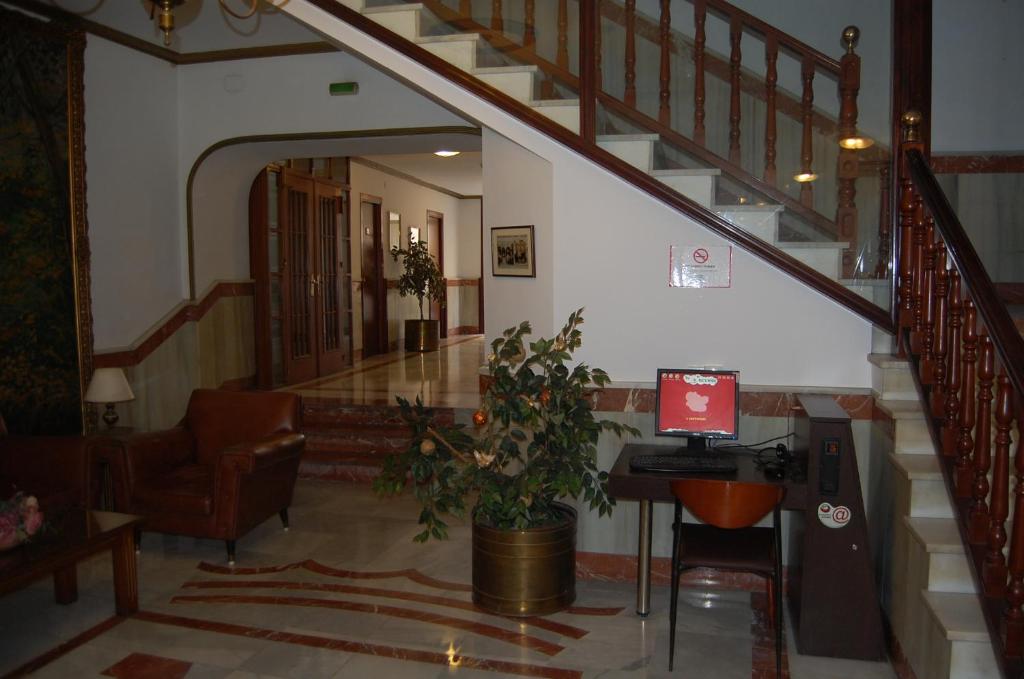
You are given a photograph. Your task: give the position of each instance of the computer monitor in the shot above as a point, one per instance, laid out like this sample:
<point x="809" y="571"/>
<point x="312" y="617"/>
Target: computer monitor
<point x="697" y="404"/>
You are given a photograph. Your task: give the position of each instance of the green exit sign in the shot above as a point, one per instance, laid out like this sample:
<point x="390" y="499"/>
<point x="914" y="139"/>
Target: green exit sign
<point x="337" y="89"/>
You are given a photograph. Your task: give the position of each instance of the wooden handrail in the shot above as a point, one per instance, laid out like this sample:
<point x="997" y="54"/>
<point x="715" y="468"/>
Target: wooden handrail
<point x="645" y="182"/>
<point x="968" y="361"/>
<point x="793" y="45"/>
<point x="1004" y="333"/>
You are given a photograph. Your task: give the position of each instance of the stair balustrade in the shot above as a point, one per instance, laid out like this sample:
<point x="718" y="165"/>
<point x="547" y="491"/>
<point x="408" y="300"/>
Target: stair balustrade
<point x="968" y="359"/>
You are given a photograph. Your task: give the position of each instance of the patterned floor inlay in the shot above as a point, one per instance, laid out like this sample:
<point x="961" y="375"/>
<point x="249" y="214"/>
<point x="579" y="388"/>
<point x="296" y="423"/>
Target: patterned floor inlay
<point x="380" y="650"/>
<point x="145" y="666"/>
<point x="65" y="648"/>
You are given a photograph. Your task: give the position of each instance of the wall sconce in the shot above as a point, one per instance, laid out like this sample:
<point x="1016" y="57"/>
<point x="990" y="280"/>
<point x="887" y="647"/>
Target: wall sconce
<point x="109" y="386"/>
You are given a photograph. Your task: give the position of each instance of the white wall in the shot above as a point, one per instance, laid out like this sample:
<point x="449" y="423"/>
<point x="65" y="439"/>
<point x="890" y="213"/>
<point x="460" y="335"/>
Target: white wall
<point x="611" y="245"/>
<point x="518" y="187"/>
<point x="463" y="255"/>
<point x="976" y="88"/>
<point x="135" y="188"/>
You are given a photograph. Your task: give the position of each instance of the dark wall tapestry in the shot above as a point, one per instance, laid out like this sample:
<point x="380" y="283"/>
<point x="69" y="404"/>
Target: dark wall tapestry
<point x="45" y="319"/>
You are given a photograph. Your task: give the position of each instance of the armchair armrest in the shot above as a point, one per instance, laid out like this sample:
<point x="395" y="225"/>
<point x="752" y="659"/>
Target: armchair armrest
<point x="266" y="452"/>
<point x="152" y="453"/>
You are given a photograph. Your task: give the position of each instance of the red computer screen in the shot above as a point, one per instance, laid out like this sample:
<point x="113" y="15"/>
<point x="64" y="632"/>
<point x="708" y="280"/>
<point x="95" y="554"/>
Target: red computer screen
<point x="698" y="403"/>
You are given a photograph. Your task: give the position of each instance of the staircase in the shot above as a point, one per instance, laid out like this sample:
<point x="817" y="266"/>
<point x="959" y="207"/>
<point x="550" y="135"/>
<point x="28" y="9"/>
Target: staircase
<point x="934" y="608"/>
<point x="935" y="612"/>
<point x="416" y="23"/>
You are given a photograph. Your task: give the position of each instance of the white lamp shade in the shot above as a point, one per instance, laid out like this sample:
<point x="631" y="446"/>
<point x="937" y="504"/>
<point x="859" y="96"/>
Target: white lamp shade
<point x="108" y="385"/>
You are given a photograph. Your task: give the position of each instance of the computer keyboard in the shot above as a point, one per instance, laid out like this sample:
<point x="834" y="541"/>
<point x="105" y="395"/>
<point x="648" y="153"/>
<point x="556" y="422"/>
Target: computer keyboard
<point x="683" y="464"/>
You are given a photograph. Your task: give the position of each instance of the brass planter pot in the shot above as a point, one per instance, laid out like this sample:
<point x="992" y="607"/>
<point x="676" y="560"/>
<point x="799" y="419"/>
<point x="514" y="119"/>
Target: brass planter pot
<point x="525" y="572"/>
<point x="422" y="335"/>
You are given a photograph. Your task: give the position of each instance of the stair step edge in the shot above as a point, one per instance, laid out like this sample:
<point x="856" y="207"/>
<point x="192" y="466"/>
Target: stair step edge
<point x="538" y="103"/>
<point x="493" y="70"/>
<point x="696" y="172"/>
<point x="627" y="137"/>
<point x="384" y="9"/>
<point x="938" y="536"/>
<point x="888" y="361"/>
<point x="959" y="615"/>
<point x="909" y="409"/>
<point x="747" y="208"/>
<point x="917" y="467"/>
<point x="453" y="37"/>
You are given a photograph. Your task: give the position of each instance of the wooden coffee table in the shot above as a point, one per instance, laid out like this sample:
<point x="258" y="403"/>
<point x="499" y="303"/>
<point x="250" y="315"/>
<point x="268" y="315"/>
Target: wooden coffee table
<point x="73" y="535"/>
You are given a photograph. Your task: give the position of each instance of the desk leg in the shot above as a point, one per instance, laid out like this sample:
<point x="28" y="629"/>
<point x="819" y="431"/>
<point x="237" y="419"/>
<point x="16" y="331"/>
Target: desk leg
<point x="126" y="576"/>
<point x="65" y="584"/>
<point x="643" y="561"/>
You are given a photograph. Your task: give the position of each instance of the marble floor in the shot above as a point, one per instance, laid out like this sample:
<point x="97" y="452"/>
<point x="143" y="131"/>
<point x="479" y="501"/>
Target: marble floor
<point x="448" y="378"/>
<point x="346" y="593"/>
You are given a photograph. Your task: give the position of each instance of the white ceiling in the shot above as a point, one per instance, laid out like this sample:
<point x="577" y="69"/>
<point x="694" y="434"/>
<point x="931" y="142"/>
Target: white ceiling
<point x="203" y="25"/>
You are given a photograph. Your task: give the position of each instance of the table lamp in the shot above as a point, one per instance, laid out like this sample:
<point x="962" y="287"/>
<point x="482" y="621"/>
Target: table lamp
<point x="109" y="386"/>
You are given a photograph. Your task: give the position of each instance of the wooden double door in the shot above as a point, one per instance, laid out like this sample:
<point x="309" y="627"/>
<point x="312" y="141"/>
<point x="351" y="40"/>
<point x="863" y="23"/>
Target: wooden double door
<point x="301" y="265"/>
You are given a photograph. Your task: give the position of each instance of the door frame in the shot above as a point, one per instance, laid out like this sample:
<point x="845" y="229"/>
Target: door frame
<point x="380" y="285"/>
<point x="442" y="310"/>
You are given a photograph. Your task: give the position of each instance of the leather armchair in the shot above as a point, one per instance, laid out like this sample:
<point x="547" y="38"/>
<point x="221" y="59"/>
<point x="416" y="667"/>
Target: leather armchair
<point x="53" y="468"/>
<point x="228" y="466"/>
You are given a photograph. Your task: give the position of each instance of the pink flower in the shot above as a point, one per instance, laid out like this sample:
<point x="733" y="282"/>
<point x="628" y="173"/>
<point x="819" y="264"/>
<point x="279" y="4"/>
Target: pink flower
<point x="33" y="519"/>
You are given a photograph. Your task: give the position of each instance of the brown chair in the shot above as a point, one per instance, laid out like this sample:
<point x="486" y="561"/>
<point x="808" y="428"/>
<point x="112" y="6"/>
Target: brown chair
<point x="228" y="466"/>
<point x="728" y="540"/>
<point x="53" y="468"/>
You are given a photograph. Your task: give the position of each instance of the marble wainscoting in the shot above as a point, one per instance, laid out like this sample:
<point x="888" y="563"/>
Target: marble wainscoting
<point x="463" y="306"/>
<point x="207" y="344"/>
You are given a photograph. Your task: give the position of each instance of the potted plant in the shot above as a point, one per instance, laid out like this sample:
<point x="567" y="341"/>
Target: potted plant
<point x="535" y="443"/>
<point x="421" y="278"/>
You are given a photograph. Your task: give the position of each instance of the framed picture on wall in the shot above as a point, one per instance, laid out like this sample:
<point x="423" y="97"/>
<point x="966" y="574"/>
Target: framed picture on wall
<point x="512" y="251"/>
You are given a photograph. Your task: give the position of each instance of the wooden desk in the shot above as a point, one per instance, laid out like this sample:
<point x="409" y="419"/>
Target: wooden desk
<point x="77" y="534"/>
<point x="649" y="487"/>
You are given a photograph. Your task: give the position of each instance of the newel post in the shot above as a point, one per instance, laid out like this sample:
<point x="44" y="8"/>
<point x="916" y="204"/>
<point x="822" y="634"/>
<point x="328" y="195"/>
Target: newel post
<point x="910" y="141"/>
<point x="850" y="142"/>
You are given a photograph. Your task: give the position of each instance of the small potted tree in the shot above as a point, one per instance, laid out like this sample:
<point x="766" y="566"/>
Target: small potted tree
<point x="422" y="279"/>
<point x="535" y="443"/>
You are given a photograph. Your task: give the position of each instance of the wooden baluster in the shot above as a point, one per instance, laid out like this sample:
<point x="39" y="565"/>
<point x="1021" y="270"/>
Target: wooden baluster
<point x="911" y="121"/>
<point x="978" y="516"/>
<point x="951" y="405"/>
<point x="466" y="8"/>
<point x="497" y="22"/>
<point x="529" y="20"/>
<point x="993" y="568"/>
<point x="562" y="54"/>
<point x="735" y="60"/>
<point x="927" y="365"/>
<point x="588" y="73"/>
<point x="1013" y="618"/>
<point x="917" y="294"/>
<point x="849" y="159"/>
<point x="965" y="421"/>
<point x="700" y="12"/>
<point x="630" y="94"/>
<point x="665" y="72"/>
<point x="883" y="266"/>
<point x="598" y="75"/>
<point x="807" y="116"/>
<point x="771" y="78"/>
<point x="940" y="332"/>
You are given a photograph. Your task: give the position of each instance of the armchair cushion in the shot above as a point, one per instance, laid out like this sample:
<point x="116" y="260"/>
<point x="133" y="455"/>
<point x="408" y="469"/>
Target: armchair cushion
<point x="221" y="419"/>
<point x="185" y="490"/>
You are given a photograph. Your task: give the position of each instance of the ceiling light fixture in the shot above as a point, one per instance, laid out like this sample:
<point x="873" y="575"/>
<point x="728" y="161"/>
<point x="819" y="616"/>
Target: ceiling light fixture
<point x="805" y="177"/>
<point x="446" y="154"/>
<point x="856" y="143"/>
<point x="165" y="20"/>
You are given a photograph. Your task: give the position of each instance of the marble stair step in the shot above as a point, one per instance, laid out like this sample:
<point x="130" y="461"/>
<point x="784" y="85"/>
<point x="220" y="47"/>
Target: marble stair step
<point x="635" y="149"/>
<point x="758" y="220"/>
<point x="515" y="81"/>
<point x="948" y="567"/>
<point x="357" y="5"/>
<point x="697" y="185"/>
<point x="565" y="112"/>
<point x="403" y="20"/>
<point x="825" y="258"/>
<point x="963" y="648"/>
<point x="459" y="49"/>
<point x="912" y="435"/>
<point x="891" y="378"/>
<point x="927" y="494"/>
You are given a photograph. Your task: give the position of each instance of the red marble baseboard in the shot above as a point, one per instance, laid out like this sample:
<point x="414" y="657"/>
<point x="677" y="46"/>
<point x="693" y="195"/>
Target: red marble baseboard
<point x="464" y="330"/>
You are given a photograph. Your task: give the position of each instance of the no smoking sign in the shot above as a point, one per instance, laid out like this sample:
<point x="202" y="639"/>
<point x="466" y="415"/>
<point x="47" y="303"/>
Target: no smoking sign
<point x="697" y="266"/>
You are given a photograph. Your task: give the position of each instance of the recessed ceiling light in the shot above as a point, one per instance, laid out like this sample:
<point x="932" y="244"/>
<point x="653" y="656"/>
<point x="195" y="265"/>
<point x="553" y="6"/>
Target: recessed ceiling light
<point x="447" y="154"/>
